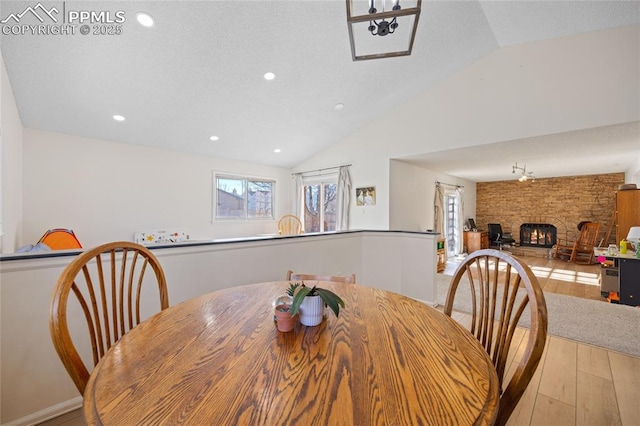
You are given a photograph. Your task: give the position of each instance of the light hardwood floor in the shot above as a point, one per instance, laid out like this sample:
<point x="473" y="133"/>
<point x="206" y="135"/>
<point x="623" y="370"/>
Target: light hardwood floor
<point x="575" y="383"/>
<point x="557" y="276"/>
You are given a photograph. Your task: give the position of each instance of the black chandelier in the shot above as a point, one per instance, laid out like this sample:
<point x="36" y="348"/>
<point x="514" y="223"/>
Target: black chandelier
<point x="379" y="20"/>
<point x="383" y="27"/>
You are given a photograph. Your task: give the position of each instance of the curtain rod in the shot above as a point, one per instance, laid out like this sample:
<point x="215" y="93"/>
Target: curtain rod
<point x="450" y="184"/>
<point x="320" y="170"/>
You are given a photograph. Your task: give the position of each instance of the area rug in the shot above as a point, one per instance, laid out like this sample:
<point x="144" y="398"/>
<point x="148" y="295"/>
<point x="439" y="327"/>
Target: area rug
<point x="611" y="326"/>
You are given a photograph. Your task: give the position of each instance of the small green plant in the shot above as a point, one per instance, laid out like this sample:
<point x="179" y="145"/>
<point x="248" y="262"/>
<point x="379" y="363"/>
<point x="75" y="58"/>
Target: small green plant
<point x="291" y="291"/>
<point x="329" y="298"/>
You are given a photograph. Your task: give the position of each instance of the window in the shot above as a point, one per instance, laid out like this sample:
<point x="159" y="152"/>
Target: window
<point x="243" y="198"/>
<point x="451" y="221"/>
<point x="320" y="204"/>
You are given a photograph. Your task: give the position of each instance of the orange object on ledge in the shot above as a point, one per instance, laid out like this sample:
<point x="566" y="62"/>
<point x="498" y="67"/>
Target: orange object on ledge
<point x="60" y="239"/>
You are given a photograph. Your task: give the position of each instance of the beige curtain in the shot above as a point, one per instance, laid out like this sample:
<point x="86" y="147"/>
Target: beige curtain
<point x="344" y="198"/>
<point x="438" y="225"/>
<point x="298" y="199"/>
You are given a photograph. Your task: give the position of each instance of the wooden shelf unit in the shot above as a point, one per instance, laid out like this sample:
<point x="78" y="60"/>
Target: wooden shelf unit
<point x="627" y="212"/>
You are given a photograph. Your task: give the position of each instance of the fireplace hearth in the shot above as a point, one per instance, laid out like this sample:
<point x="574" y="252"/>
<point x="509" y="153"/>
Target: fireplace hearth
<point x="538" y="235"/>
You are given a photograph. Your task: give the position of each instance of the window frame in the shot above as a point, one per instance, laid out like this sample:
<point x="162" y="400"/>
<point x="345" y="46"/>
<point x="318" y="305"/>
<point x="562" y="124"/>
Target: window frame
<point x="247" y="179"/>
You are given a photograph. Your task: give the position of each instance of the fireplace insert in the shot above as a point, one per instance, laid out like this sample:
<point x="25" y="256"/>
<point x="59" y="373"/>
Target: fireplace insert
<point x="538" y="235"/>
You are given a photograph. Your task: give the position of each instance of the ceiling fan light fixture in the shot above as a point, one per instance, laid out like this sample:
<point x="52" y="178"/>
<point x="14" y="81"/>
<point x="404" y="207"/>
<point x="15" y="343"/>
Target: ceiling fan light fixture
<point x="525" y="176"/>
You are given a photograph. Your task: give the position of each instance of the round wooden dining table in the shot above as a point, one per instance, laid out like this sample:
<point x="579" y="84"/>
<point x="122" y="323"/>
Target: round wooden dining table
<point x="218" y="359"/>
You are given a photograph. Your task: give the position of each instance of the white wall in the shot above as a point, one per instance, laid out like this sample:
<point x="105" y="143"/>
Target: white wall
<point x="412" y="192"/>
<point x="370" y="169"/>
<point x="633" y="174"/>
<point x="10" y="166"/>
<point x="516" y="92"/>
<point x="107" y="191"/>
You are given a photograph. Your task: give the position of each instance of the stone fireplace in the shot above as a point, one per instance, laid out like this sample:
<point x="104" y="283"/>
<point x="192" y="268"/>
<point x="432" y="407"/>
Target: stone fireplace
<point x="562" y="201"/>
<point x="538" y="235"/>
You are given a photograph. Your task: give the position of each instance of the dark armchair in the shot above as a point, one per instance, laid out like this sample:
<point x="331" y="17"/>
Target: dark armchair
<point x="497" y="238"/>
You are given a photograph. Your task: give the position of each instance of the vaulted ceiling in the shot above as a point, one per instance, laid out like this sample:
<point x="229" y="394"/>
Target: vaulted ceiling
<point x="199" y="71"/>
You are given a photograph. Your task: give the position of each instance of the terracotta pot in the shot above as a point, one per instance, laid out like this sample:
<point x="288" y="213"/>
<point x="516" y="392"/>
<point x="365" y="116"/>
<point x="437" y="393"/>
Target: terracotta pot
<point x="311" y="310"/>
<point x="284" y="319"/>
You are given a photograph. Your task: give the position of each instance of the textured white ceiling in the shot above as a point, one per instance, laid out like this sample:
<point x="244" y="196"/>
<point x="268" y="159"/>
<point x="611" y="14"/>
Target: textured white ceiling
<point x="198" y="71"/>
<point x="600" y="150"/>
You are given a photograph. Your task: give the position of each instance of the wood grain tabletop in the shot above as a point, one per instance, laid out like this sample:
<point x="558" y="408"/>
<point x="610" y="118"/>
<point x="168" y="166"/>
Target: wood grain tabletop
<point x="218" y="359"/>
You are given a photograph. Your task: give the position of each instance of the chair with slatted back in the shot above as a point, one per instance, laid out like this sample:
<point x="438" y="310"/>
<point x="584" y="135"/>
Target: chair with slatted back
<point x="290" y="225"/>
<point x="115" y="287"/>
<point x="580" y="250"/>
<point x="498" y="289"/>
<point x="348" y="279"/>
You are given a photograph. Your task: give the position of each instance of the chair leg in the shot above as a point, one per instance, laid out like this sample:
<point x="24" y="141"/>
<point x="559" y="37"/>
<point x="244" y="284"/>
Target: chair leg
<point x="574" y="252"/>
<point x="559" y="254"/>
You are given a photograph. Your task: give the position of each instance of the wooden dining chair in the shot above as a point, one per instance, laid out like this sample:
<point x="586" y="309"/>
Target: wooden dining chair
<point x="580" y="250"/>
<point x="347" y="279"/>
<point x="109" y="283"/>
<point x="500" y="289"/>
<point x="290" y="225"/>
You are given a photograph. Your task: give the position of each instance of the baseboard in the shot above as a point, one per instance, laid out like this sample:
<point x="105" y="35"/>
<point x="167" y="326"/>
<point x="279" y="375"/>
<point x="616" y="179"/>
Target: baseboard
<point x="48" y="413"/>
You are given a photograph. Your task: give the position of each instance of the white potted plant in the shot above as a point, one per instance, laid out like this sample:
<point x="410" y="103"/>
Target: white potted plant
<point x="310" y="301"/>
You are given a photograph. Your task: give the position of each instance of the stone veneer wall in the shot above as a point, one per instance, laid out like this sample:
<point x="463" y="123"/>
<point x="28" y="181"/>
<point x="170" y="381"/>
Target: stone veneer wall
<point x="563" y="202"/>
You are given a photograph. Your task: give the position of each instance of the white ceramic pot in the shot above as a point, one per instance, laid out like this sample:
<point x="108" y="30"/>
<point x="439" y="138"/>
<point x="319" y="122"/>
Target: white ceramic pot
<point x="311" y="310"/>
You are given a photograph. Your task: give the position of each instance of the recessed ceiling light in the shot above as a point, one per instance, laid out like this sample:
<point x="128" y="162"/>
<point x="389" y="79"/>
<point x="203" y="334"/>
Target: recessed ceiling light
<point x="269" y="76"/>
<point x="213" y="138"/>
<point x="144" y="19"/>
<point x="277" y="150"/>
<point x="338" y="106"/>
<point x="118" y="117"/>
